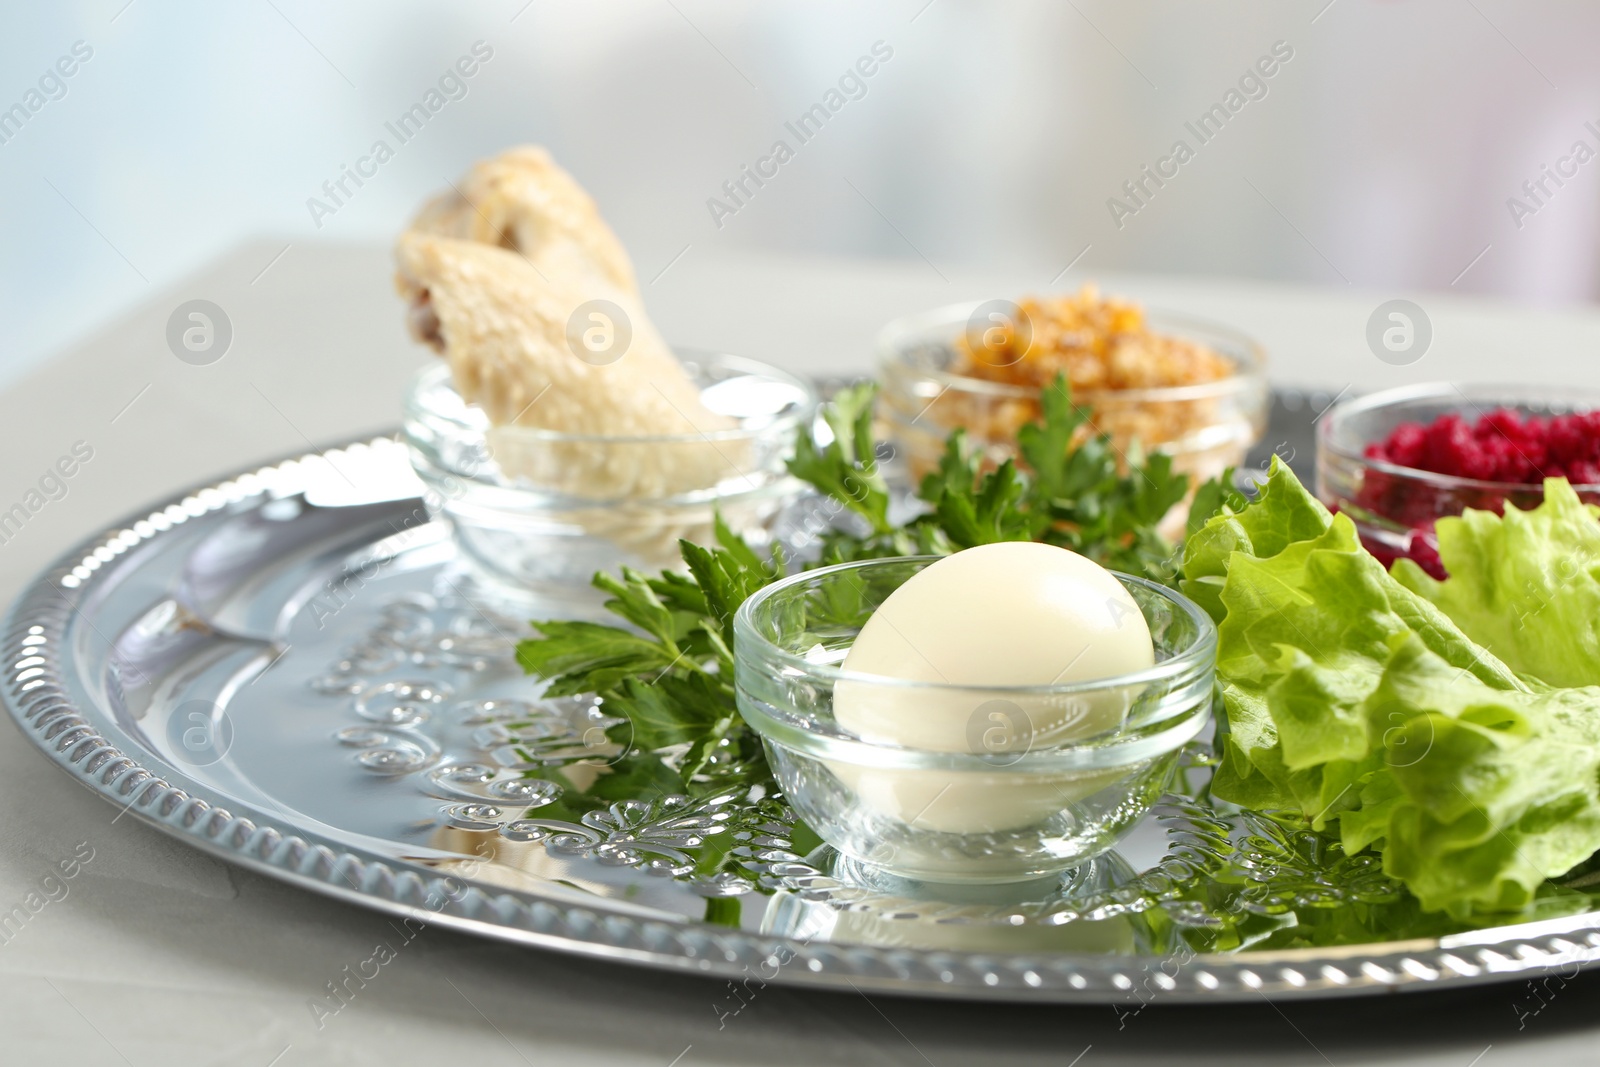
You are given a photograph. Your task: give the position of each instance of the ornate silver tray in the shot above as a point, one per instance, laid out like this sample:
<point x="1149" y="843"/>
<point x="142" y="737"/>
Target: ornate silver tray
<point x="292" y="670"/>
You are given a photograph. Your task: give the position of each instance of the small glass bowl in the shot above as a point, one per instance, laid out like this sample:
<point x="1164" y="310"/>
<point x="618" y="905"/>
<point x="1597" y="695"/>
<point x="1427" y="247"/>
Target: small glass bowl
<point x="578" y="504"/>
<point x="1050" y="775"/>
<point x="1394" y="508"/>
<point x="1206" y="428"/>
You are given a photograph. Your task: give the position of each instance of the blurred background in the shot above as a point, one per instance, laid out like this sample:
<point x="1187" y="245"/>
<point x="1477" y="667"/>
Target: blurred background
<point x="1383" y="152"/>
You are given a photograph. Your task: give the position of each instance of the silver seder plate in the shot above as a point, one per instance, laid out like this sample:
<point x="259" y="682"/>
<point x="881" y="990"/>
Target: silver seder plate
<point x="291" y="670"/>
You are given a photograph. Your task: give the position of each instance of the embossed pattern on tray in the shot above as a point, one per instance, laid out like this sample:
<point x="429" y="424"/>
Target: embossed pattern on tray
<point x="375" y="707"/>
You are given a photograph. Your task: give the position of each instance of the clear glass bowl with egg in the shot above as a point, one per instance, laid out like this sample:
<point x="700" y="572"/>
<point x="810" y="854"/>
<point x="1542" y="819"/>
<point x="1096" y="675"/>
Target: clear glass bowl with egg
<point x="1206" y="427"/>
<point x="1017" y="782"/>
<point x="577" y="504"/>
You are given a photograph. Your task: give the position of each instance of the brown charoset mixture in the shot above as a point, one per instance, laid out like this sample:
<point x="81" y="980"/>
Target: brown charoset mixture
<point x="1104" y="346"/>
<point x="1100" y="342"/>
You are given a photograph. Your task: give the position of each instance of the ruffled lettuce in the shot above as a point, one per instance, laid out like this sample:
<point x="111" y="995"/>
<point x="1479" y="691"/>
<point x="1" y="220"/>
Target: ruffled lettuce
<point x="1358" y="702"/>
<point x="1526" y="585"/>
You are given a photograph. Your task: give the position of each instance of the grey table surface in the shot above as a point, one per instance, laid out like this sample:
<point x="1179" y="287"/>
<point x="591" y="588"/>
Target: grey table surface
<point x="154" y="954"/>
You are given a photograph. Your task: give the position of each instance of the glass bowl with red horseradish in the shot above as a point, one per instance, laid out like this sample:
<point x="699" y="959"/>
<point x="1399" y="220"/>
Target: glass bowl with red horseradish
<point x="1399" y="460"/>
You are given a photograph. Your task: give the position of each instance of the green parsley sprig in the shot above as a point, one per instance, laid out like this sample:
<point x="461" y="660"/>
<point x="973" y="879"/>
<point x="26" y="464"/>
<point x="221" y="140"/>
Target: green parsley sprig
<point x="1072" y="488"/>
<point x="666" y="671"/>
<point x="668" y="676"/>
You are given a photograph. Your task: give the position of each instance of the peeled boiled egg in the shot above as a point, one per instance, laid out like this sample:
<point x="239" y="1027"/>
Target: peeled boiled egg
<point x="972" y="627"/>
<point x="1017" y="613"/>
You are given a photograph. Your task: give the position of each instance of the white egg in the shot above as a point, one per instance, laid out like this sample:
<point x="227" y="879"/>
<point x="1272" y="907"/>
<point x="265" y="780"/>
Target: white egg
<point x="992" y="617"/>
<point x="972" y="626"/>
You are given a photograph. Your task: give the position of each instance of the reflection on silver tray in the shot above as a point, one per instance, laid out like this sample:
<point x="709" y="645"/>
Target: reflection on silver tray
<point x="293" y="671"/>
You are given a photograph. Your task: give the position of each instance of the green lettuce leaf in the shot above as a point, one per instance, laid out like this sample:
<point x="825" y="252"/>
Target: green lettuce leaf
<point x="1498" y="790"/>
<point x="1526" y="585"/>
<point x="1352" y="699"/>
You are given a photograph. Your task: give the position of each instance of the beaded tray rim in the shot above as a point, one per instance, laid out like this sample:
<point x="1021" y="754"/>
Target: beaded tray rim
<point x="35" y="695"/>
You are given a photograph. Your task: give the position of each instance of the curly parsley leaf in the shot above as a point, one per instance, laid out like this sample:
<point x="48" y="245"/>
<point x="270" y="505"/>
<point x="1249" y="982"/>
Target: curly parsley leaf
<point x="669" y="710"/>
<point x="1059" y="470"/>
<point x="846" y="469"/>
<point x="635" y="599"/>
<point x="587" y="657"/>
<point x="667" y="667"/>
<point x="726" y="576"/>
<point x="972" y="508"/>
<point x="667" y="673"/>
<point x="1072" y="488"/>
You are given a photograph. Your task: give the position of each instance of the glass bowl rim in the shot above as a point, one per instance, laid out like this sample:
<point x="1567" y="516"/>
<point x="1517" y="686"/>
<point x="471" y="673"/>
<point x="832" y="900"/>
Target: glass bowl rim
<point x="1504" y="393"/>
<point x="1203" y="647"/>
<point x="1250" y="359"/>
<point x="786" y="422"/>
